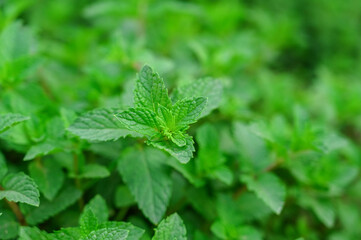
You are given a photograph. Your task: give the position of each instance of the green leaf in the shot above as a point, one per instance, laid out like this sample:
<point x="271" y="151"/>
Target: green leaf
<point x="11" y="119"/>
<point x="31" y="233"/>
<point x="41" y="149"/>
<point x="3" y="167"/>
<point x="9" y="226"/>
<point x="88" y="221"/>
<point x="252" y="148"/>
<point x="322" y="208"/>
<point x="47" y="209"/>
<point x="187" y="111"/>
<point x="99" y="125"/>
<point x="15" y="43"/>
<point x="210" y="88"/>
<point x="269" y="188"/>
<point x="148" y="180"/>
<point x="94" y="171"/>
<point x="66" y="234"/>
<point x="182" y="154"/>
<point x="179" y="139"/>
<point x="123" y="197"/>
<point x="171" y="228"/>
<point x="48" y="175"/>
<point x="150" y="90"/>
<point x="210" y="160"/>
<point x="99" y="208"/>
<point x="140" y="120"/>
<point x="20" y="188"/>
<point x="107" y="234"/>
<point x="134" y="233"/>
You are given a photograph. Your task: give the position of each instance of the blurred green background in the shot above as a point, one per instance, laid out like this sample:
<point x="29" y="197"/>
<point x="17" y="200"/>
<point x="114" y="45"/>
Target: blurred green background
<point x="290" y="69"/>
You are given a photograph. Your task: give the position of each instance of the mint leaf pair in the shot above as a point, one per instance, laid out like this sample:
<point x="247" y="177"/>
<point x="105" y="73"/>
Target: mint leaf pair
<point x="163" y="123"/>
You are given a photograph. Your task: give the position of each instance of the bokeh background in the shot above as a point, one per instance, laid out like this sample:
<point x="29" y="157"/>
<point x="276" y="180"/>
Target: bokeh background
<point x="291" y="71"/>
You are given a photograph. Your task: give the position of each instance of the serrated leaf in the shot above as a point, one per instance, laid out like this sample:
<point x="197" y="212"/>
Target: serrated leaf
<point x="88" y="221"/>
<point x="94" y="171"/>
<point x="3" y="167"/>
<point x="171" y="228"/>
<point x="31" y="233"/>
<point x="107" y="234"/>
<point x="11" y="119"/>
<point x="41" y="149"/>
<point x="179" y="139"/>
<point x="150" y="90"/>
<point x="99" y="208"/>
<point x="165" y="117"/>
<point x="47" y="209"/>
<point x="210" y="88"/>
<point x="269" y="188"/>
<point x="20" y="188"/>
<point x="187" y="111"/>
<point x="66" y="234"/>
<point x="140" y="120"/>
<point x="99" y="125"/>
<point x="148" y="180"/>
<point x="134" y="233"/>
<point x="182" y="154"/>
<point x="48" y="175"/>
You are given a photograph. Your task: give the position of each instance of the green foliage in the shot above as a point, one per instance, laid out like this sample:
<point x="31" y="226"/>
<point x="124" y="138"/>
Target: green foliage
<point x="148" y="180"/>
<point x="18" y="187"/>
<point x="171" y="228"/>
<point x="162" y="122"/>
<point x="98" y="125"/>
<point x="199" y="120"/>
<point x="10" y="119"/>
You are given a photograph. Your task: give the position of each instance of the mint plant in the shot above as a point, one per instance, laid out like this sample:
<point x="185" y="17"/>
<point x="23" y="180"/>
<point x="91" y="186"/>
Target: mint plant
<point x="94" y="146"/>
<point x="158" y="119"/>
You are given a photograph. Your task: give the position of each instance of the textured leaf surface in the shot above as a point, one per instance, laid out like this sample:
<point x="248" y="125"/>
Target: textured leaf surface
<point x="99" y="125"/>
<point x="150" y="90"/>
<point x="107" y="234"/>
<point x="210" y="88"/>
<point x="99" y="208"/>
<point x="187" y="111"/>
<point x="88" y="221"/>
<point x="134" y="233"/>
<point x="140" y="120"/>
<point x="66" y="234"/>
<point x="20" y="188"/>
<point x="41" y="149"/>
<point x="48" y="175"/>
<point x="182" y="154"/>
<point x="48" y="209"/>
<point x="11" y="119"/>
<point x="270" y="189"/>
<point x="31" y="233"/>
<point x="148" y="180"/>
<point x="171" y="228"/>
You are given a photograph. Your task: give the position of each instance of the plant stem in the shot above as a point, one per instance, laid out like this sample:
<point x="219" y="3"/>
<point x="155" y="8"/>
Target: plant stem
<point x="16" y="210"/>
